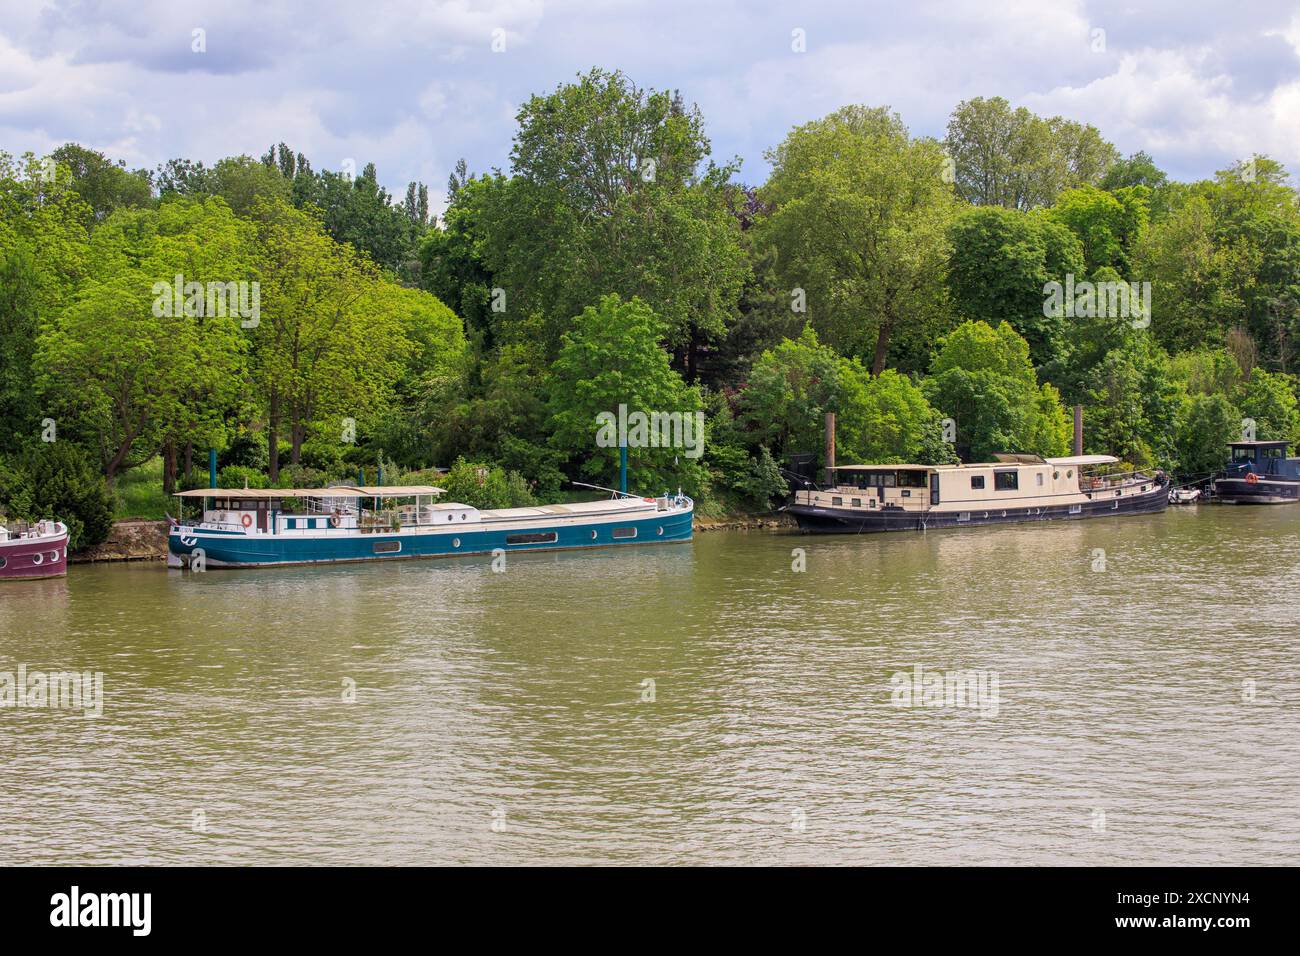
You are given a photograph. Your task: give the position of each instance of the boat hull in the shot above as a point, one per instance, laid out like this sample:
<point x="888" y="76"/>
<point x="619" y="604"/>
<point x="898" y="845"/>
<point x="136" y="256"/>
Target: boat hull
<point x="1266" y="491"/>
<point x="816" y="520"/>
<point x="234" y="550"/>
<point x="29" y="559"/>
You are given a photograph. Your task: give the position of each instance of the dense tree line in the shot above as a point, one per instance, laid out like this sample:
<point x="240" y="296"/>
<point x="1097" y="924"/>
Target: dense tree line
<point x="944" y="297"/>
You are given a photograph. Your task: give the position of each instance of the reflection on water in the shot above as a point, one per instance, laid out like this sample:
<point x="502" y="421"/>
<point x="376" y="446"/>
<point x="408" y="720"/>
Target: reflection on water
<point x="1147" y="708"/>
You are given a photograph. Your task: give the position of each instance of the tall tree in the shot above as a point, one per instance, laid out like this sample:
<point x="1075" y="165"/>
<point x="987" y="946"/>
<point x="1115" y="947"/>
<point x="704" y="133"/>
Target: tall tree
<point x="613" y="192"/>
<point x="1014" y="158"/>
<point x="859" y="222"/>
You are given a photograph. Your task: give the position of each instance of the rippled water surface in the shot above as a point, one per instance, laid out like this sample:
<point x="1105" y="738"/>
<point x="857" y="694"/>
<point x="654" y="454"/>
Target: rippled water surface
<point x="499" y="717"/>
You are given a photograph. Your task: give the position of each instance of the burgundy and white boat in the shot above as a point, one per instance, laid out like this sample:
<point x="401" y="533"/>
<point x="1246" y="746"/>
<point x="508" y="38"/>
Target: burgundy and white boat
<point x="29" y="551"/>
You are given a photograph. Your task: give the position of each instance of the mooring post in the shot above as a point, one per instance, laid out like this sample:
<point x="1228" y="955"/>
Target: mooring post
<point x="212" y="468"/>
<point x="622" y="467"/>
<point x="830" y="449"/>
<point x="1078" y="429"/>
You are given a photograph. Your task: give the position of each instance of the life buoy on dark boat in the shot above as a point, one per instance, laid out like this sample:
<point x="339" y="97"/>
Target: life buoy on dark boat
<point x="1252" y="478"/>
<point x="246" y="521"/>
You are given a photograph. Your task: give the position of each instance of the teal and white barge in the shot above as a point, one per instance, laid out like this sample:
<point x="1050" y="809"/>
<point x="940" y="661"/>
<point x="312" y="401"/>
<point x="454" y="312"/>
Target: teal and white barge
<point x="267" y="527"/>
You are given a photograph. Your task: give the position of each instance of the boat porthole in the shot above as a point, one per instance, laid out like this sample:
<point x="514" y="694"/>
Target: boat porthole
<point x="661" y="529"/>
<point x="455" y="542"/>
<point x="1070" y="473"/>
<point x="593" y="536"/>
<point x="38" y="558"/>
<point x="54" y="556"/>
<point x="463" y="517"/>
<point x="449" y="517"/>
<point x="1055" y="475"/>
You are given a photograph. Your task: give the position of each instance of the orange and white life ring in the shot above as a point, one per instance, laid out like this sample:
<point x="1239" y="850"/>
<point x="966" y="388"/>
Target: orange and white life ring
<point x="1252" y="478"/>
<point x="246" y="521"/>
<point x="336" y="519"/>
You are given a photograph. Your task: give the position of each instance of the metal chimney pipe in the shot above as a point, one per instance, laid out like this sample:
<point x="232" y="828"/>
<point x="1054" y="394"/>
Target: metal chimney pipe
<point x="1078" y="429"/>
<point x="830" y="449"/>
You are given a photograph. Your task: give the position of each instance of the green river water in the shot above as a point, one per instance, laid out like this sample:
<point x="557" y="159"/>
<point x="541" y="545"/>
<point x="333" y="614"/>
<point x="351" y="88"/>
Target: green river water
<point x="1147" y="669"/>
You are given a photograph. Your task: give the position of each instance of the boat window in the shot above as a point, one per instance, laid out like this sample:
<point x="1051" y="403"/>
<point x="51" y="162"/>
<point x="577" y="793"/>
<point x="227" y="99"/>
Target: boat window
<point x="977" y="481"/>
<point x="1243" y="454"/>
<point x="836" y="502"/>
<point x="387" y="547"/>
<point x="857" y="502"/>
<point x="3" y="562"/>
<point x="624" y="533"/>
<point x="911" y="479"/>
<point x="532" y="537"/>
<point x="1006" y="480"/>
<point x="1272" y="452"/>
<point x="1040" y="479"/>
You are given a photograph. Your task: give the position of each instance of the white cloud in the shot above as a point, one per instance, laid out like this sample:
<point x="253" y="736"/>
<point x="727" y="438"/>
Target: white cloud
<point x="413" y="86"/>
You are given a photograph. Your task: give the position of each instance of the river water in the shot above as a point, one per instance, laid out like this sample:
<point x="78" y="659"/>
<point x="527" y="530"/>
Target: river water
<point x="692" y="703"/>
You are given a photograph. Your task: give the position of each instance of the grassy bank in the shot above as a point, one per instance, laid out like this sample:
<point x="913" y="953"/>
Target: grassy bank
<point x="138" y="493"/>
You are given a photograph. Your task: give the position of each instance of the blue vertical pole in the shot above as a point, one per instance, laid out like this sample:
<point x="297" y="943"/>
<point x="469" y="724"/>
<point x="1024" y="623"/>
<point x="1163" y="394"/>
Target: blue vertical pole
<point x="212" y="468"/>
<point x="622" y="467"/>
<point x="361" y="476"/>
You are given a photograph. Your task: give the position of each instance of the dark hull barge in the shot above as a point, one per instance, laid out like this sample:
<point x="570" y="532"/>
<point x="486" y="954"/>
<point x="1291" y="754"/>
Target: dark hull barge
<point x="1016" y="488"/>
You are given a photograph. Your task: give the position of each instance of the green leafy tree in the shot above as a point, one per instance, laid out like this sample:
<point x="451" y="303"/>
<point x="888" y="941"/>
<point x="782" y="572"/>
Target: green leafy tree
<point x="859" y="223"/>
<point x="57" y="480"/>
<point x="612" y="192"/>
<point x="483" y="485"/>
<point x="1270" y="400"/>
<point x="102" y="184"/>
<point x="1131" y="403"/>
<point x="329" y="344"/>
<point x="1208" y="424"/>
<point x="611" y="358"/>
<point x="791" y="388"/>
<point x="1014" y="158"/>
<point x="1001" y="260"/>
<point x="122" y="367"/>
<point x="1108" y="225"/>
<point x="983" y="379"/>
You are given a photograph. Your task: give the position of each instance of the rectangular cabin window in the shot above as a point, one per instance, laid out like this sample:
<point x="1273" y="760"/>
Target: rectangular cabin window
<point x="857" y="502"/>
<point x="533" y="537"/>
<point x="835" y="502"/>
<point x="963" y="516"/>
<point x="624" y="533"/>
<point x="1040" y="479"/>
<point x="1076" y="509"/>
<point x="387" y="547"/>
<point x="976" y="482"/>
<point x="1006" y="480"/>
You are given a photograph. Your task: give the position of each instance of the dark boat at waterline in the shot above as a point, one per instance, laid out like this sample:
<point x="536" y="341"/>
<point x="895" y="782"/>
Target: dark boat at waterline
<point x="1259" y="473"/>
<point x="1014" y="488"/>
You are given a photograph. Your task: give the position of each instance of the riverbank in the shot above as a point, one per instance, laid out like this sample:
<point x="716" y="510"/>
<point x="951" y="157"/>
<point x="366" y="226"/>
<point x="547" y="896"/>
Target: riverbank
<point x="132" y="539"/>
<point x="770" y="521"/>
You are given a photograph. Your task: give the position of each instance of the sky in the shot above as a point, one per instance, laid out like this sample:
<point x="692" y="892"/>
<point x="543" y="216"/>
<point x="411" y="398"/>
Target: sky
<point x="415" y="86"/>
